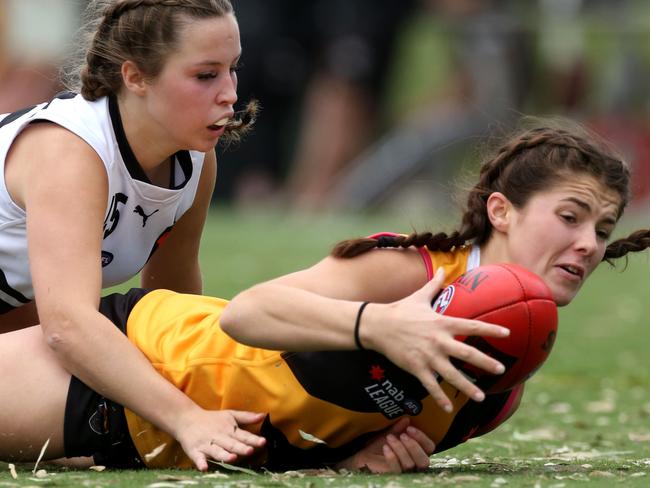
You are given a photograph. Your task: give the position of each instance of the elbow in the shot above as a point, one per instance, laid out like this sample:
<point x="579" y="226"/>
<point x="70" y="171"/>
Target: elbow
<point x="60" y="329"/>
<point x="228" y="320"/>
<point x="56" y="333"/>
<point x="235" y="316"/>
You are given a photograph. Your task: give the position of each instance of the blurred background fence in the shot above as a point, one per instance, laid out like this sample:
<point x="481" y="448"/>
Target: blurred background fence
<point x="375" y="103"/>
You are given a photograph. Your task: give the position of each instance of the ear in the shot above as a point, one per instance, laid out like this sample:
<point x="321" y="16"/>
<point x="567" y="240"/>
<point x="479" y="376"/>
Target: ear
<point x="499" y="211"/>
<point x="133" y="79"/>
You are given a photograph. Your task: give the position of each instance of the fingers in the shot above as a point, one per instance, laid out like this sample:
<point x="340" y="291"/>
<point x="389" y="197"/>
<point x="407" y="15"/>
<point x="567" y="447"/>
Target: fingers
<point x="246" y="418"/>
<point x="422" y="439"/>
<point x="430" y="381"/>
<point x="411" y="450"/>
<point x="249" y="438"/>
<point x="473" y="356"/>
<point x="235" y="440"/>
<point x="392" y="462"/>
<point x="468" y="327"/>
<point x="459" y="381"/>
<point x="200" y="461"/>
<point x="432" y="287"/>
<point x="399" y="426"/>
<point x="218" y="453"/>
<point x="228" y="442"/>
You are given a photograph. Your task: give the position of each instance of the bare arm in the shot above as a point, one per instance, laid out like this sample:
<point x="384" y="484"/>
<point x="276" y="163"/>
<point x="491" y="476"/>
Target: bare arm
<point x="316" y="309"/>
<point x="175" y="264"/>
<point x="64" y="191"/>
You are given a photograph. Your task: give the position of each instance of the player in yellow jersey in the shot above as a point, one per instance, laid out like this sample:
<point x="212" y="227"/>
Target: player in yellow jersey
<point x="549" y="200"/>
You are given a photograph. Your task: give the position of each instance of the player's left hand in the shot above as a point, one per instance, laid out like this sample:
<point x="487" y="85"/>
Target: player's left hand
<point x="400" y="448"/>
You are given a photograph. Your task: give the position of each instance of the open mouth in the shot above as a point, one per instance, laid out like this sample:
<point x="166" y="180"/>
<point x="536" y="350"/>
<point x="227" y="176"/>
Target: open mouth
<point x="219" y="124"/>
<point x="573" y="270"/>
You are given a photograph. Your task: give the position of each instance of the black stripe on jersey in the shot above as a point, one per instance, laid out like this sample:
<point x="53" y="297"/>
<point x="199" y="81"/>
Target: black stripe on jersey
<point x="130" y="161"/>
<point x="117" y="306"/>
<point x="5" y="307"/>
<point x="283" y="456"/>
<point x="64" y="95"/>
<point x="185" y="162"/>
<point x="362" y="381"/>
<point x="5" y="287"/>
<point x="19" y="113"/>
<point x="16" y="115"/>
<point x="472" y="416"/>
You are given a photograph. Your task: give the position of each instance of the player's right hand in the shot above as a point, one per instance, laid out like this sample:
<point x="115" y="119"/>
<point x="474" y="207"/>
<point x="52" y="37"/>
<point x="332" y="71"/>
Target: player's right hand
<point x="398" y="449"/>
<point x="422" y="342"/>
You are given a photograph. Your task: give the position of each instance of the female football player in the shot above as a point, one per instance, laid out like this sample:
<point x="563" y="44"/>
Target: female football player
<point x="92" y="184"/>
<point x="548" y="200"/>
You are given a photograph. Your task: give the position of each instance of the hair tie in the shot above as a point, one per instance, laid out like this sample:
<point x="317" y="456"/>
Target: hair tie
<point x="386" y="241"/>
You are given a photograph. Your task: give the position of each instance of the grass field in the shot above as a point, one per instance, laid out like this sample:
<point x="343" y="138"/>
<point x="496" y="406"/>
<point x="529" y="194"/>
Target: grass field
<point x="585" y="419"/>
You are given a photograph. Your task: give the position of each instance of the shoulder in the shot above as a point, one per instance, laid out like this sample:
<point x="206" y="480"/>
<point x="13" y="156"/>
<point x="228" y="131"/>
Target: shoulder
<point x="51" y="139"/>
<point x="381" y="275"/>
<point x="90" y="121"/>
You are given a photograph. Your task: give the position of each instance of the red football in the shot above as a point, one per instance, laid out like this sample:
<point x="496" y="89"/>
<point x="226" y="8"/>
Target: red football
<point x="515" y="298"/>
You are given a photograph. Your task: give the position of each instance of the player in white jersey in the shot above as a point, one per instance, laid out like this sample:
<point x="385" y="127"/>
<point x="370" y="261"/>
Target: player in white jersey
<point x="91" y="184"/>
<point x="138" y="215"/>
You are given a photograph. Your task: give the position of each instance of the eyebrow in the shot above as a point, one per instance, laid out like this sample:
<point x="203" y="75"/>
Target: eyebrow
<point x="209" y="62"/>
<point x="584" y="205"/>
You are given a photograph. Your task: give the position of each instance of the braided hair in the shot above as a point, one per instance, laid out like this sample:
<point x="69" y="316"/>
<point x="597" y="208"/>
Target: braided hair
<point x="529" y="162"/>
<point x="145" y="32"/>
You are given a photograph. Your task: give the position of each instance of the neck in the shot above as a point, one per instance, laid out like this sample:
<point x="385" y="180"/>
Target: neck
<point x="495" y="250"/>
<point x="150" y="148"/>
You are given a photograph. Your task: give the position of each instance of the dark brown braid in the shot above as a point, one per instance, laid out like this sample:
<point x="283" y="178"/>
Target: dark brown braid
<point x="529" y="162"/>
<point x="240" y="124"/>
<point x="637" y="241"/>
<point x="440" y="241"/>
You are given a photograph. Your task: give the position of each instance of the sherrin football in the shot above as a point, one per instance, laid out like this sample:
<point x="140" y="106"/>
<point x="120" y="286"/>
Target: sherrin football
<point x="511" y="296"/>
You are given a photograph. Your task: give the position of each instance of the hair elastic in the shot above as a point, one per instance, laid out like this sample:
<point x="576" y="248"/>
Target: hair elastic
<point x="357" y="323"/>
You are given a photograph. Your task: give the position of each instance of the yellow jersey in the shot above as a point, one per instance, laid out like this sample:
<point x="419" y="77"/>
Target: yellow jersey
<point x="321" y="406"/>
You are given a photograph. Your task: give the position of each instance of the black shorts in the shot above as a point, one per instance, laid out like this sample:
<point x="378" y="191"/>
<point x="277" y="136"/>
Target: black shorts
<point x="94" y="425"/>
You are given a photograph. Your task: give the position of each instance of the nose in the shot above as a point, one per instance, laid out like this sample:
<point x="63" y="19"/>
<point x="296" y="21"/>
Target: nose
<point x="227" y="94"/>
<point x="587" y="242"/>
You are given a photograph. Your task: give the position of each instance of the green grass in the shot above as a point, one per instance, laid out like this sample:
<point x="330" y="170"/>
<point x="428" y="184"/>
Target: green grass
<point x="585" y="418"/>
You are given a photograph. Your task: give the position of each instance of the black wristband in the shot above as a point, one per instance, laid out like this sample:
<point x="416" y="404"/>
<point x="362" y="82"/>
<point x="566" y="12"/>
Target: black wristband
<point x="357" y="323"/>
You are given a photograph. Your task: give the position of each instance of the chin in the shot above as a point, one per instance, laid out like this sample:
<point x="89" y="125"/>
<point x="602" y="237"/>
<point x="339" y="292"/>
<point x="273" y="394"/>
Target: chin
<point x="203" y="146"/>
<point x="564" y="297"/>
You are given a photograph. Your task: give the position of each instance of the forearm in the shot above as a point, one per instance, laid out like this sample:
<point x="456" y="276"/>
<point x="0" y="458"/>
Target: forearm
<point x="276" y="316"/>
<point x="115" y="368"/>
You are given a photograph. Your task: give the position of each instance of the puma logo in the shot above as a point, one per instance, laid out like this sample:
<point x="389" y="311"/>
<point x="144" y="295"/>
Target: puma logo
<point x="140" y="211"/>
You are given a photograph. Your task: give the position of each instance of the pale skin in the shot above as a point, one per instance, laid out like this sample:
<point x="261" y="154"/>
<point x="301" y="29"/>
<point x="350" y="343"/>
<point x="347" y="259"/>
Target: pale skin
<point x="560" y="234"/>
<point x="64" y="260"/>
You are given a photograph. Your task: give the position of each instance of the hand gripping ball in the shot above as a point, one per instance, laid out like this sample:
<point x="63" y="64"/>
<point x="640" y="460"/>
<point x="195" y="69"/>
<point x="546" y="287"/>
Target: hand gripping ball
<point x="511" y="296"/>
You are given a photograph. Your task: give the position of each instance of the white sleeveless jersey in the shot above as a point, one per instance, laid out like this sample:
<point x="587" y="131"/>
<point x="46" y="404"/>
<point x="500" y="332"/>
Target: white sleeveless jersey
<point x="138" y="214"/>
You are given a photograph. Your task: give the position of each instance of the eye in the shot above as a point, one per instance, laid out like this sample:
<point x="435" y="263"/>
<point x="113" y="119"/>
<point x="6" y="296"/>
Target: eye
<point x="569" y="218"/>
<point x="236" y="67"/>
<point x="206" y="76"/>
<point x="603" y="234"/>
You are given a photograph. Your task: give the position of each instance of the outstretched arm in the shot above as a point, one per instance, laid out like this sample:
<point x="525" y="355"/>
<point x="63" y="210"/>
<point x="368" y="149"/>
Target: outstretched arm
<point x="316" y="309"/>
